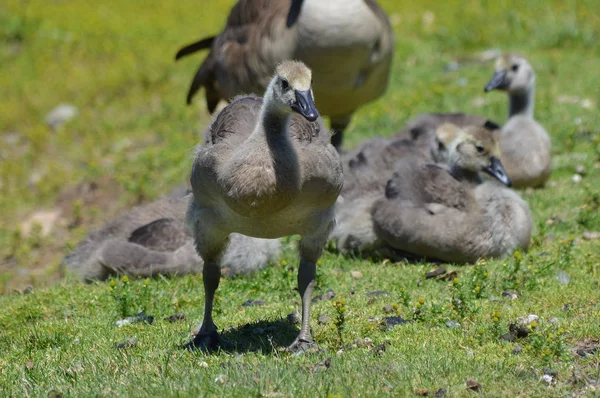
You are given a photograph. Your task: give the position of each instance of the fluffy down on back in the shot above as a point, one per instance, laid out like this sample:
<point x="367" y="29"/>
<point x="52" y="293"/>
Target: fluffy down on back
<point x="153" y="239"/>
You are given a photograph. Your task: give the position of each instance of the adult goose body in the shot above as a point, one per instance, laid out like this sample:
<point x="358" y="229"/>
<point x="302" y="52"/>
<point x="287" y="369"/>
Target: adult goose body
<point x="347" y="43"/>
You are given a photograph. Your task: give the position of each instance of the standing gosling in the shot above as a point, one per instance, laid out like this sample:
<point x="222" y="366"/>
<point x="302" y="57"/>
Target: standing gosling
<point x="524" y="143"/>
<point x="266" y="169"/>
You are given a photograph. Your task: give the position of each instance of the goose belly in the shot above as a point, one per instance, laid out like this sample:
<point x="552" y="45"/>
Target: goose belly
<point x="295" y="219"/>
<point x="349" y="50"/>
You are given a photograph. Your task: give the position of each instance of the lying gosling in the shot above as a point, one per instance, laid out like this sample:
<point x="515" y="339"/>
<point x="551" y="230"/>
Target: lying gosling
<point x="266" y="169"/>
<point x="347" y="43"/>
<point x="366" y="172"/>
<point x="153" y="239"/>
<point x="453" y="214"/>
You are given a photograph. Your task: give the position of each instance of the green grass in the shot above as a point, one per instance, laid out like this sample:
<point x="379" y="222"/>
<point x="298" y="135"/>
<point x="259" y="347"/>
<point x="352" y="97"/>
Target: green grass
<point x="132" y="139"/>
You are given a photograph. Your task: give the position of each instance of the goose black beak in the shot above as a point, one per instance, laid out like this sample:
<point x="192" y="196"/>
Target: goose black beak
<point x="305" y="105"/>
<point x="496" y="169"/>
<point x="496" y="82"/>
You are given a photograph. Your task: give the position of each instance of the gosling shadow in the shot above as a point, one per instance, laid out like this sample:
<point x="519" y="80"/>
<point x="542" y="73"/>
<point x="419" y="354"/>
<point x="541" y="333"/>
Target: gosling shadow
<point x="266" y="337"/>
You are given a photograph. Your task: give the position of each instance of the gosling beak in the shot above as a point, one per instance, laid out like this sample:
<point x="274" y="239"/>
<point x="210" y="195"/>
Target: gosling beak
<point x="496" y="82"/>
<point x="305" y="105"/>
<point x="495" y="169"/>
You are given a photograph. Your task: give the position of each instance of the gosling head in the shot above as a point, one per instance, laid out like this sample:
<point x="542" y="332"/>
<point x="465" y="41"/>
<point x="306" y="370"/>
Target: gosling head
<point x="475" y="149"/>
<point x="444" y="135"/>
<point x="513" y="74"/>
<point x="291" y="90"/>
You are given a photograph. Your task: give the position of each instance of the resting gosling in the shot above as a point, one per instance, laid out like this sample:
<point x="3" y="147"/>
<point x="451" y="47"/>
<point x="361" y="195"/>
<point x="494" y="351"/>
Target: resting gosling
<point x="347" y="43"/>
<point x="524" y="143"/>
<point x="266" y="169"/>
<point x="452" y="214"/>
<point x="153" y="239"/>
<point x="366" y="172"/>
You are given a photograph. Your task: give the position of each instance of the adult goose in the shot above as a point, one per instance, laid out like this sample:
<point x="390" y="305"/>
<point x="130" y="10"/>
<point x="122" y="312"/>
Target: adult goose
<point x="347" y="43"/>
<point x="266" y="169"/>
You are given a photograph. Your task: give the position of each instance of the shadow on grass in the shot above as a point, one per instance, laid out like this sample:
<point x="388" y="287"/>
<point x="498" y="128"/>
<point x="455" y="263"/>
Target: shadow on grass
<point x="266" y="337"/>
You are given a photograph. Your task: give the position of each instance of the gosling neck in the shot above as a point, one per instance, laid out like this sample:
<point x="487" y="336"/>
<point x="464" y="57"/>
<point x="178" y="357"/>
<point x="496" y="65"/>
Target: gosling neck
<point x="522" y="102"/>
<point x="273" y="121"/>
<point x="464" y="175"/>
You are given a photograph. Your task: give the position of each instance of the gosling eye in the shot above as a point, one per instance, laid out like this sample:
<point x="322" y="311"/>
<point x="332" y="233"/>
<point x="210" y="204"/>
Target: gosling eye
<point x="515" y="67"/>
<point x="480" y="149"/>
<point x="285" y="85"/>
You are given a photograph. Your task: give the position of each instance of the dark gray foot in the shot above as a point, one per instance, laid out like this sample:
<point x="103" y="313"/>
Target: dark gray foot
<point x="300" y="346"/>
<point x="208" y="342"/>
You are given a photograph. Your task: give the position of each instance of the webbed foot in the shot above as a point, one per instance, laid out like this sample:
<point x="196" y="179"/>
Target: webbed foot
<point x="300" y="346"/>
<point x="209" y="342"/>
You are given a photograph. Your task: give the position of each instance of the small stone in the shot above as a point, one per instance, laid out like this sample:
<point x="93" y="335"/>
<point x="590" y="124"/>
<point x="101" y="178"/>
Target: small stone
<point x="138" y="318"/>
<point x="380" y="349"/>
<point x="390" y="321"/>
<point x="329" y="295"/>
<point x="510" y="337"/>
<point x="422" y="392"/>
<point x="388" y="309"/>
<point x="440" y="392"/>
<point x="548" y="379"/>
<point x="339" y="352"/>
<point x="61" y="114"/>
<point x="221" y="379"/>
<point x="563" y="278"/>
<point x="576" y="178"/>
<point x="323" y="319"/>
<point x="553" y="320"/>
<point x="550" y="372"/>
<point x="356" y="274"/>
<point x="580" y="169"/>
<point x="203" y="364"/>
<point x="518" y="331"/>
<point x="517" y="349"/>
<point x="510" y="294"/>
<point x="587" y="347"/>
<point x="131" y="342"/>
<point x="253" y="303"/>
<point x="449" y="276"/>
<point x="473" y="385"/>
<point x="29" y="365"/>
<point x="452" y="324"/>
<point x="527" y="320"/>
<point x="435" y="273"/>
<point x="54" y="394"/>
<point x="27" y="290"/>
<point x="591" y="235"/>
<point x="180" y="316"/>
<point x="567" y="307"/>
